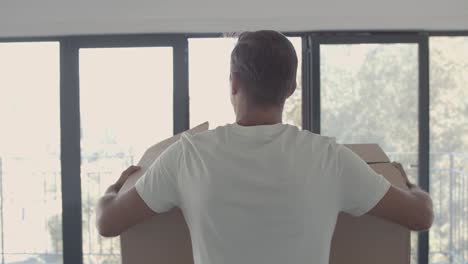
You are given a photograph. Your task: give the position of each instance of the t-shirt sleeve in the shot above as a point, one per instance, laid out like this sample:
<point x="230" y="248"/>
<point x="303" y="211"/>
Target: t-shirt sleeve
<point x="158" y="187"/>
<point x="361" y="187"/>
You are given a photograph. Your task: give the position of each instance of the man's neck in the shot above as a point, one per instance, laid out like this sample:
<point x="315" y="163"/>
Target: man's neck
<point x="258" y="117"/>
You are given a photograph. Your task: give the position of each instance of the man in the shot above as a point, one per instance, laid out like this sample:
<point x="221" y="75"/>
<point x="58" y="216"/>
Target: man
<point x="259" y="191"/>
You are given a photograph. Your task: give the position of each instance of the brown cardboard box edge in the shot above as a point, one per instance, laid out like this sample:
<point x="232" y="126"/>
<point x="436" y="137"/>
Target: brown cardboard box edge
<point x="165" y="239"/>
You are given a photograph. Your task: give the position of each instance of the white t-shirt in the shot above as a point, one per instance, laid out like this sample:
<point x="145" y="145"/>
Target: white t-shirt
<point x="266" y="194"/>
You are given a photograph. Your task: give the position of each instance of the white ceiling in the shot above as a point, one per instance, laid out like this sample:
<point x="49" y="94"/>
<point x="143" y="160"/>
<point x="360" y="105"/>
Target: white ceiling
<point x="66" y="17"/>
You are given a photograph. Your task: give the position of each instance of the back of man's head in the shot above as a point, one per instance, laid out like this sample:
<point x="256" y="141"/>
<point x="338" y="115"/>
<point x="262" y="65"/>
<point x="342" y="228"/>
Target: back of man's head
<point x="265" y="64"/>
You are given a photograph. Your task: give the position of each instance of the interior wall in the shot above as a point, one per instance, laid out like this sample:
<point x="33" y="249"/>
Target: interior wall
<point x="66" y="17"/>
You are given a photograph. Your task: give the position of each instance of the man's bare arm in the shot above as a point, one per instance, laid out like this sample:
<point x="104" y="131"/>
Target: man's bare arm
<point x="411" y="208"/>
<point x="116" y="214"/>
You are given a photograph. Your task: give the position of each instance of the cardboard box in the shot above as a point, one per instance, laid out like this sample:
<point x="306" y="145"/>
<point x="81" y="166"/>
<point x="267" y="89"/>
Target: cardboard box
<point x="165" y="239"/>
<point x="368" y="239"/>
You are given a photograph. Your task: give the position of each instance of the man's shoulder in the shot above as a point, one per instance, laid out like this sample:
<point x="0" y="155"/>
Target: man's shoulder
<point x="204" y="137"/>
<point x="309" y="136"/>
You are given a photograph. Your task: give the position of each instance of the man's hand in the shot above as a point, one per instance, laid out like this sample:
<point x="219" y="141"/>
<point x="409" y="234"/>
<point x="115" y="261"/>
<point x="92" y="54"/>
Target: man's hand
<point x="125" y="175"/>
<point x="116" y="213"/>
<point x="403" y="173"/>
<point x="115" y="188"/>
<point x="411" y="208"/>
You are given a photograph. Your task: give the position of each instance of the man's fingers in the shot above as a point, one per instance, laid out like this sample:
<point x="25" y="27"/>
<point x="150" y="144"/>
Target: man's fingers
<point x="397" y="165"/>
<point x="131" y="169"/>
<point x="126" y="173"/>
<point x="403" y="173"/>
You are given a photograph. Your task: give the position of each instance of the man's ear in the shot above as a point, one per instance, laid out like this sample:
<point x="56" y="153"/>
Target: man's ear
<point x="235" y="85"/>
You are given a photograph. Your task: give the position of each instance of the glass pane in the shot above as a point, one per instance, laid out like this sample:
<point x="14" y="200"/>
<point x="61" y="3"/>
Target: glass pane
<point x="126" y="106"/>
<point x="209" y="60"/>
<point x="449" y="149"/>
<point x="293" y="107"/>
<point x="369" y="94"/>
<point x="30" y="181"/>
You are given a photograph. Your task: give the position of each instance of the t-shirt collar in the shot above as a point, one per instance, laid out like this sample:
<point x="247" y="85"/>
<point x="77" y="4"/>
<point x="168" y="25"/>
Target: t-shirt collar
<point x="257" y="129"/>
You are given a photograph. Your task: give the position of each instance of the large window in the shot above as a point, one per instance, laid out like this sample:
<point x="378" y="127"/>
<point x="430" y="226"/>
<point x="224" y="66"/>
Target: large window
<point x="209" y="60"/>
<point x="30" y="179"/>
<point x="449" y="149"/>
<point x="126" y="106"/>
<point x="369" y="94"/>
